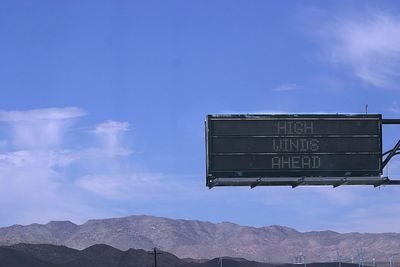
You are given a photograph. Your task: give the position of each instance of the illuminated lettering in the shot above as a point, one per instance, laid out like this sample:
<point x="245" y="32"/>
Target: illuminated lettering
<point x="314" y="145"/>
<point x="316" y="162"/>
<point x="296" y="162"/>
<point x="306" y="162"/>
<point x="285" y="162"/>
<point x="276" y="163"/>
<point x="298" y="127"/>
<point x="295" y="127"/>
<point x="304" y="145"/>
<point x="281" y="127"/>
<point x="275" y="146"/>
<point x="295" y="145"/>
<point x="308" y="127"/>
<point x="289" y="128"/>
<point x="285" y="145"/>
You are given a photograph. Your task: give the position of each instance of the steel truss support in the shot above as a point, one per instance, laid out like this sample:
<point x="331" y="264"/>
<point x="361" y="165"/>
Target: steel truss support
<point x="391" y="153"/>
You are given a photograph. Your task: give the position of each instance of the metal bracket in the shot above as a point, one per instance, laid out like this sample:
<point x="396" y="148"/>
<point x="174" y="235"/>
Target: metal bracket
<point x="255" y="183"/>
<point x="392" y="153"/>
<point x="211" y="183"/>
<point x="384" y="181"/>
<point x="342" y="182"/>
<point x="390" y="121"/>
<point x="299" y="182"/>
<point x="396" y="150"/>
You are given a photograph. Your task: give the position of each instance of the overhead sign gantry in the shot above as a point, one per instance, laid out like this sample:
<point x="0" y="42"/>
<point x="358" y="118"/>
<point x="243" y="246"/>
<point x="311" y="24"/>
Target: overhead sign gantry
<point x="297" y="149"/>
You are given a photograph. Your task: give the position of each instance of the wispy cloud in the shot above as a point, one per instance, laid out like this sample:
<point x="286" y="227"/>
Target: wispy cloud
<point x="45" y="178"/>
<point x="38" y="168"/>
<point x="367" y="44"/>
<point x="33" y="190"/>
<point x="35" y="115"/>
<point x="111" y="127"/>
<point x="111" y="134"/>
<point x="286" y="87"/>
<point x="39" y="128"/>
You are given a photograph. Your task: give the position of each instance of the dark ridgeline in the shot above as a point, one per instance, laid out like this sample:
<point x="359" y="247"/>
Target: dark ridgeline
<point x="14" y="258"/>
<point x="37" y="255"/>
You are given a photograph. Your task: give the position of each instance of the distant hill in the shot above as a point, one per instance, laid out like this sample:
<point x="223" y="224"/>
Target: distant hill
<point x="205" y="240"/>
<point x="13" y="258"/>
<point x="36" y="255"/>
<point x="32" y="255"/>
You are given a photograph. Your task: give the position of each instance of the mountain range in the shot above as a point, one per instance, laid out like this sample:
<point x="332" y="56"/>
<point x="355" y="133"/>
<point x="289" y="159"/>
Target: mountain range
<point x="206" y="240"/>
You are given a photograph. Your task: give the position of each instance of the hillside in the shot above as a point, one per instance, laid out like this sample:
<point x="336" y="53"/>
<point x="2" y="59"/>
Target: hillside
<point x="205" y="240"/>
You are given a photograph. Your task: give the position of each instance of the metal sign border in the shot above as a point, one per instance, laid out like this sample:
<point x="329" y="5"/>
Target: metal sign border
<point x="302" y="181"/>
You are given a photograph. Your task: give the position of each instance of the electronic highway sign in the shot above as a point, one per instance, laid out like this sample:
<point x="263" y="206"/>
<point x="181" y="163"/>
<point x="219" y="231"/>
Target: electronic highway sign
<point x="285" y="149"/>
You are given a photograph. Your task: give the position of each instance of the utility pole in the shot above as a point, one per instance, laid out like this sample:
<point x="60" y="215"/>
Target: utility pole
<point x="155" y="253"/>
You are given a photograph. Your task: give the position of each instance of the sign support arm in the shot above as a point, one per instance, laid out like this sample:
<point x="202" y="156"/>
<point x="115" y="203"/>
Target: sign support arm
<point x="392" y="153"/>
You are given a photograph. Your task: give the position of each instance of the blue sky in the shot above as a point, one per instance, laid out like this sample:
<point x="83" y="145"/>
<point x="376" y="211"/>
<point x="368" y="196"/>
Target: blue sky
<point x="103" y="105"/>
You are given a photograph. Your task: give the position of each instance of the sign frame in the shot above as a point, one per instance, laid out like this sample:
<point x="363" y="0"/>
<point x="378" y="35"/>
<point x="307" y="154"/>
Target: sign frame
<point x="300" y="178"/>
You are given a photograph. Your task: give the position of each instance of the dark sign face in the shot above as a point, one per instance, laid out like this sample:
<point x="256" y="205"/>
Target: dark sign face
<point x="250" y="146"/>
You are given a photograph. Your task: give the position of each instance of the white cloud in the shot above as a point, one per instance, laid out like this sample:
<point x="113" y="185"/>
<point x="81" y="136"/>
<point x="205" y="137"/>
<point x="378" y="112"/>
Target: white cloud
<point x="286" y="87"/>
<point x="35" y="115"/>
<point x="32" y="190"/>
<point x="111" y="137"/>
<point x="40" y="134"/>
<point x="38" y="168"/>
<point x="111" y="127"/>
<point x="28" y="158"/>
<point x="39" y="128"/>
<point x="369" y="46"/>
